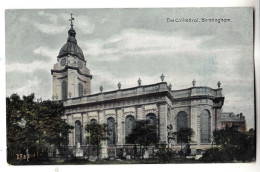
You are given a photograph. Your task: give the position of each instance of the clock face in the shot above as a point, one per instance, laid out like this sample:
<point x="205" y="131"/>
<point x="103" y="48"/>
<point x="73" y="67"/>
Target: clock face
<point x="63" y="62"/>
<point x="80" y="65"/>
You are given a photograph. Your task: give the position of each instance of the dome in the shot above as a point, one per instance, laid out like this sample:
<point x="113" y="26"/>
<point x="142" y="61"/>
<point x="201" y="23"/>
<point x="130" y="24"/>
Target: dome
<point x="71" y="47"/>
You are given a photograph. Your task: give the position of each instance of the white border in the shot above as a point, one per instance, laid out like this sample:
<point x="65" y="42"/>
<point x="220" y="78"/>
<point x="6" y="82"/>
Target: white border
<point x="30" y="4"/>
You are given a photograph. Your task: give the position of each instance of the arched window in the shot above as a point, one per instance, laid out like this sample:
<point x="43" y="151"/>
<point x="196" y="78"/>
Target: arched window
<point x="205" y="126"/>
<point x="182" y="120"/>
<point x="78" y="138"/>
<point x="152" y="118"/>
<point x="64" y="90"/>
<point x="93" y="121"/>
<point x="129" y="125"/>
<point x="111" y="140"/>
<point x="80" y="90"/>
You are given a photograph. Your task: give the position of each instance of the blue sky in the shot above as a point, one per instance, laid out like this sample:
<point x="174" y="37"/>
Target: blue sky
<point x="121" y="45"/>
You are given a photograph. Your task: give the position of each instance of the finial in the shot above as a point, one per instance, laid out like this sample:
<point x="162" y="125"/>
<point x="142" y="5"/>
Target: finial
<point x="71" y="19"/>
<point x="219" y="84"/>
<point x="162" y="77"/>
<point x="139" y="82"/>
<point x="101" y="88"/>
<point x="194" y="82"/>
<point x="170" y="86"/>
<point x="119" y="85"/>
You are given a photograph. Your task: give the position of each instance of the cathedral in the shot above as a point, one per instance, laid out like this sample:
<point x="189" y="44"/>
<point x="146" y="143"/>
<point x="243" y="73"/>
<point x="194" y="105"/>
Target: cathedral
<point x="196" y="107"/>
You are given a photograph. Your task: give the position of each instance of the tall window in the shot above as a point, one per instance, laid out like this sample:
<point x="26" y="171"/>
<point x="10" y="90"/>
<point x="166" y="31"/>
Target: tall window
<point x="111" y="131"/>
<point x="129" y="125"/>
<point x="205" y="126"/>
<point x="80" y="90"/>
<point x="64" y="90"/>
<point x="78" y="132"/>
<point x="182" y="120"/>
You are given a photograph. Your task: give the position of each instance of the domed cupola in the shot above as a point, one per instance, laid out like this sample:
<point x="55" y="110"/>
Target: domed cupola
<point x="71" y="77"/>
<point x="71" y="47"/>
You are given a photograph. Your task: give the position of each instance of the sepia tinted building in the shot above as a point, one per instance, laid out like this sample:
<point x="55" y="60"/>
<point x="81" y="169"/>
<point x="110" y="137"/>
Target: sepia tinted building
<point x="196" y="107"/>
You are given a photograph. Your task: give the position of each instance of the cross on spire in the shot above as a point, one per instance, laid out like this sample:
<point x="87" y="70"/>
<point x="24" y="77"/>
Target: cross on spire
<point x="71" y="19"/>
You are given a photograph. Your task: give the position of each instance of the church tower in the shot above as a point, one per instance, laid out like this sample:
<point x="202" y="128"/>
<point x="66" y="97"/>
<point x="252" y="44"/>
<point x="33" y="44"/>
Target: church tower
<point x="71" y="77"/>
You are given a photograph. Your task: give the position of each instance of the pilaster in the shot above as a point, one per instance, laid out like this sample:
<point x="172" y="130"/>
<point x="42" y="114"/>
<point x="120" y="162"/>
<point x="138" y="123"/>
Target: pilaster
<point x="163" y="123"/>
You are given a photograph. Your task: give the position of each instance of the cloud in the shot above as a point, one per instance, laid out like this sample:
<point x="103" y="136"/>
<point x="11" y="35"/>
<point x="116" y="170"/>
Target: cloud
<point x="45" y="51"/>
<point x="84" y="24"/>
<point x="51" y="17"/>
<point x="28" y="86"/>
<point x="50" y="29"/>
<point x="37" y="64"/>
<point x="28" y="67"/>
<point x="57" y="23"/>
<point x="142" y="42"/>
<point x="110" y="81"/>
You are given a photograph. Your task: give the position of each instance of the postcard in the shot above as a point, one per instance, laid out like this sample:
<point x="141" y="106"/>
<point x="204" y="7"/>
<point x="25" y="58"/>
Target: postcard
<point x="130" y="86"/>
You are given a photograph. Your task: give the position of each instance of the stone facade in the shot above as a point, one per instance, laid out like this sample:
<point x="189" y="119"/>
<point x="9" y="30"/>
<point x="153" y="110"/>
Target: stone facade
<point x="196" y="107"/>
<point x="140" y="101"/>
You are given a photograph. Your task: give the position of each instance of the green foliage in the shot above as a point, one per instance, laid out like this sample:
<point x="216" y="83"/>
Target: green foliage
<point x="232" y="145"/>
<point x="33" y="126"/>
<point x="183" y="135"/>
<point x="165" y="154"/>
<point x="96" y="134"/>
<point x="143" y="134"/>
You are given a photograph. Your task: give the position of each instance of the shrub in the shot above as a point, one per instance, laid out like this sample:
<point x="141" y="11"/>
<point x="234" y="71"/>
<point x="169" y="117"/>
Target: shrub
<point x="165" y="154"/>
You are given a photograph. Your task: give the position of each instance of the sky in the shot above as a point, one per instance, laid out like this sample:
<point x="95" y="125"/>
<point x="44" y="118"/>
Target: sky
<point x="122" y="45"/>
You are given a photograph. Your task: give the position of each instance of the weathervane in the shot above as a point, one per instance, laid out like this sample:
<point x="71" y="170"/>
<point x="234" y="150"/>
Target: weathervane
<point x="71" y="19"/>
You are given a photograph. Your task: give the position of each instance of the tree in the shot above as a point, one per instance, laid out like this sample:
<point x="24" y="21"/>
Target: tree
<point x="232" y="145"/>
<point x="143" y="134"/>
<point x="17" y="133"/>
<point x="52" y="128"/>
<point x="32" y="126"/>
<point x="96" y="134"/>
<point x="184" y="135"/>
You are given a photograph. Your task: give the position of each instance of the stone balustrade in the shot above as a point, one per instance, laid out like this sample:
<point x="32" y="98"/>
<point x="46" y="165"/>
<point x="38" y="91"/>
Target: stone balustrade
<point x="146" y="89"/>
<point x="122" y="93"/>
<point x="197" y="91"/>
